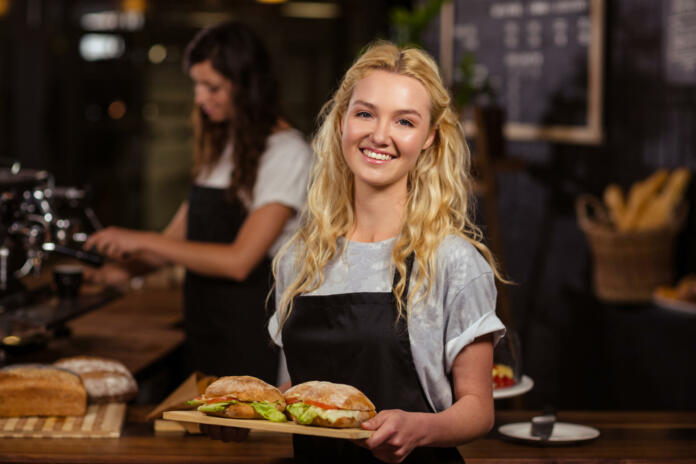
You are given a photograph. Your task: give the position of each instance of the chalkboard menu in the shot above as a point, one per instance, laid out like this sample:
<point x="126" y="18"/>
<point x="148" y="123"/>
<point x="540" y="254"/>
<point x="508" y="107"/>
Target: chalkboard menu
<point x="542" y="57"/>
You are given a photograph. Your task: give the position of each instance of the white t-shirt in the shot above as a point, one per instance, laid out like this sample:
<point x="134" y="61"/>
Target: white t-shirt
<point x="459" y="308"/>
<point x="282" y="177"/>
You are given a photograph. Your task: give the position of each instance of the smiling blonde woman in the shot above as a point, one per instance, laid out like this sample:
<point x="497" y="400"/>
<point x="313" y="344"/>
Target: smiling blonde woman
<point x="387" y="286"/>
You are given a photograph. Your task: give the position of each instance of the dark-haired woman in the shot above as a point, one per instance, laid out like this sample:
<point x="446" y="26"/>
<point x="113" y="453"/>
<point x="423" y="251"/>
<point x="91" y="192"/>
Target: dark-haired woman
<point x="251" y="172"/>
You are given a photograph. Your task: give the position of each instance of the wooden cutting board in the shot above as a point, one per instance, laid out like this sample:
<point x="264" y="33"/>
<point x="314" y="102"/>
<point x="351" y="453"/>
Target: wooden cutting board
<point x="264" y="425"/>
<point x="100" y="421"/>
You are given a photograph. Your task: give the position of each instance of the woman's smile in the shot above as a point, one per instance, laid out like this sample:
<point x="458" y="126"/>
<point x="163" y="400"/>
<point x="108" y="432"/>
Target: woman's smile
<point x="377" y="156"/>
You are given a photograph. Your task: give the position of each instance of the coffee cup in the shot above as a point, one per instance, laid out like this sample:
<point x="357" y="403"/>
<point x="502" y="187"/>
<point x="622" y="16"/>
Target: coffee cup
<point x="68" y="280"/>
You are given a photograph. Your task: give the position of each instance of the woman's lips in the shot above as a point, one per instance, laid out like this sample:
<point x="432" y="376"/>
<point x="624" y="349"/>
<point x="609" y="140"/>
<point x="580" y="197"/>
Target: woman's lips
<point x="374" y="155"/>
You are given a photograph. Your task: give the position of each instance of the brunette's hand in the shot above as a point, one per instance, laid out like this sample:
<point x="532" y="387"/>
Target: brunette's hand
<point x="226" y="434"/>
<point x="397" y="432"/>
<point x="109" y="274"/>
<point x="115" y="242"/>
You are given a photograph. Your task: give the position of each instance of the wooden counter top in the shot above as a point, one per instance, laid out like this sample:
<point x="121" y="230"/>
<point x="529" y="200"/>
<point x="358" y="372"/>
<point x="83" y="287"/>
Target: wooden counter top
<point x="137" y="329"/>
<point x="626" y="437"/>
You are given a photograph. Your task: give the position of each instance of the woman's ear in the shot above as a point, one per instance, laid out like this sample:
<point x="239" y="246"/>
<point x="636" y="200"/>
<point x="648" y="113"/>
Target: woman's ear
<point x="340" y="125"/>
<point x="430" y="139"/>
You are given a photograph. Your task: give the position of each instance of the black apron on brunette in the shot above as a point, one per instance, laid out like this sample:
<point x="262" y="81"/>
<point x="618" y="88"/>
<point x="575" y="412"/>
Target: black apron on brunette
<point x="351" y="338"/>
<point x="225" y="320"/>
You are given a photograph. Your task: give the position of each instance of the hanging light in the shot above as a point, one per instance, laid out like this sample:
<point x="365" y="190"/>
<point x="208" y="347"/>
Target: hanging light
<point x="4" y="7"/>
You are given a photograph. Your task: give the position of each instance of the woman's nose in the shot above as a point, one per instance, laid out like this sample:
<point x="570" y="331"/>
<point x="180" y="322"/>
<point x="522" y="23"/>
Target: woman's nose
<point x="199" y="96"/>
<point x="380" y="133"/>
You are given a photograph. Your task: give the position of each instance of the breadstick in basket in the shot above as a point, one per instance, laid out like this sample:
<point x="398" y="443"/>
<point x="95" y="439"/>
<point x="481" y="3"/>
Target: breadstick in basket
<point x="640" y="196"/>
<point x="616" y="204"/>
<point x="661" y="209"/>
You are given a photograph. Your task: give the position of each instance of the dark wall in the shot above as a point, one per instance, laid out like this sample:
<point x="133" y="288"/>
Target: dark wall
<point x="53" y="104"/>
<point x="582" y="353"/>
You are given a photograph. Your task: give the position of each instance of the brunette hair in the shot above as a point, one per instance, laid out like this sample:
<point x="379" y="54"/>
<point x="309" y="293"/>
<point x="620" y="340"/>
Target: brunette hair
<point x="439" y="195"/>
<point x="238" y="54"/>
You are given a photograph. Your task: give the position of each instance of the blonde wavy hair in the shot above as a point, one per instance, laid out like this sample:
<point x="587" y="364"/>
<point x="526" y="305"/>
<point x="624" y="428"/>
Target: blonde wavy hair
<point x="439" y="197"/>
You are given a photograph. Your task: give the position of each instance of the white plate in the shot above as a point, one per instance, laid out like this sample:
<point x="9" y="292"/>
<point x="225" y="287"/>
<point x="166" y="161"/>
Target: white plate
<point x="563" y="432"/>
<point x="520" y="388"/>
<point x="674" y="304"/>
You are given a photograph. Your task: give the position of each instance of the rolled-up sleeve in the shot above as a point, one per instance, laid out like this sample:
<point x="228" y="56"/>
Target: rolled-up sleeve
<point x="471" y="314"/>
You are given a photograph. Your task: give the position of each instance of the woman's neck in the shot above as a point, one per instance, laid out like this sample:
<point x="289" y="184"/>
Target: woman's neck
<point x="378" y="213"/>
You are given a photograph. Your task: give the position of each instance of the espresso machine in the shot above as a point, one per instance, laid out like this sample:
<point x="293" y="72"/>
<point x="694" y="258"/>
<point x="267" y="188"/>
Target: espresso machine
<point x="39" y="220"/>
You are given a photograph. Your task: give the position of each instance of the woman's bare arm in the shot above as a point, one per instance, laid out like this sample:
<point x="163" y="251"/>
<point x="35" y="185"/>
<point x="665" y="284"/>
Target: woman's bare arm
<point x="230" y="260"/>
<point x="398" y="432"/>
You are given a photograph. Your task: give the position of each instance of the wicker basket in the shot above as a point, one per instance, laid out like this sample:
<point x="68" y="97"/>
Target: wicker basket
<point x="627" y="266"/>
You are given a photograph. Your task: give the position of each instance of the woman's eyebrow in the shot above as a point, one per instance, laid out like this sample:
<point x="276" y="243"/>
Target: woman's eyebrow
<point x="409" y="111"/>
<point x="364" y="103"/>
<point x="399" y="112"/>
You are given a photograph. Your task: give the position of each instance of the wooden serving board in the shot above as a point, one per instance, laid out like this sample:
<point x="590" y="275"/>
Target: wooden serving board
<point x="100" y="421"/>
<point x="264" y="425"/>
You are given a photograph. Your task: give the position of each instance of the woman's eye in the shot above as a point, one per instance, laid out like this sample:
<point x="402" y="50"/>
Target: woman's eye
<point x="405" y="122"/>
<point x="213" y="88"/>
<point x="363" y="114"/>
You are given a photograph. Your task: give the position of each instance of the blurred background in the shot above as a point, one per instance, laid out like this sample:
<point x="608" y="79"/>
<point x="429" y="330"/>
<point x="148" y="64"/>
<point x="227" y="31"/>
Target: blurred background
<point x="93" y="92"/>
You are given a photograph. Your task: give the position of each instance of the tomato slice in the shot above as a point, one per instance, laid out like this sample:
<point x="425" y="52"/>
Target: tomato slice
<point x="319" y="404"/>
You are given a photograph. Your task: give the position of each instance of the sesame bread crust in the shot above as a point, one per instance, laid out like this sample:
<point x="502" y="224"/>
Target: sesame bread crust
<point x="337" y="395"/>
<point x="245" y="388"/>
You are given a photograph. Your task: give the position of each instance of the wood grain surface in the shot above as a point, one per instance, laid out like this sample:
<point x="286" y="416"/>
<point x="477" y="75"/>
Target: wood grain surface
<point x="628" y="437"/>
<point x="138" y="330"/>
<point x="101" y="420"/>
<point x="266" y="426"/>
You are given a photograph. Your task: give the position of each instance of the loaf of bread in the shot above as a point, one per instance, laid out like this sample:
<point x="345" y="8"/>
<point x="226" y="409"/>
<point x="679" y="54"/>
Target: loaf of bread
<point x="40" y="390"/>
<point x="106" y="380"/>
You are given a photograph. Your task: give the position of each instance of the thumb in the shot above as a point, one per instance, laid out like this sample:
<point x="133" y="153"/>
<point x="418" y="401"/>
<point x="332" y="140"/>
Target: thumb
<point x="375" y="422"/>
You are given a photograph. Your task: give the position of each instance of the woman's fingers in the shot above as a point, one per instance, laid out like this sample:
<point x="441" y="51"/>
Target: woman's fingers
<point x="381" y="424"/>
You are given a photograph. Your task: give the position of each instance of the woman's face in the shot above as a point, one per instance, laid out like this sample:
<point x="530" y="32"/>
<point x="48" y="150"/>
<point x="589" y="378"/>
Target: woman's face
<point x="212" y="91"/>
<point x="385" y="128"/>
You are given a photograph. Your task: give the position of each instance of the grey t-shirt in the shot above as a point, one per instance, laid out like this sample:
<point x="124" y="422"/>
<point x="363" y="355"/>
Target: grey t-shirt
<point x="459" y="308"/>
<point x="282" y="177"/>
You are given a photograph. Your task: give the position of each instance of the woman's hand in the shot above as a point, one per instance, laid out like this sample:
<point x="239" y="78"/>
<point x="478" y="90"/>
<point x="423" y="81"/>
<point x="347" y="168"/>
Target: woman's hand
<point x="226" y="434"/>
<point x="115" y="242"/>
<point x="397" y="433"/>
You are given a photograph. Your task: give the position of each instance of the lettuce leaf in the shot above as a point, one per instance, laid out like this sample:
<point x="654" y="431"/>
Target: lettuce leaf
<point x="268" y="411"/>
<point x="215" y="407"/>
<point x="194" y="402"/>
<point x="304" y="413"/>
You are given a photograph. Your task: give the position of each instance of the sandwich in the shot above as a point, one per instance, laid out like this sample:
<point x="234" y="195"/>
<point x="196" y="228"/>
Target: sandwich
<point x="40" y="390"/>
<point x="328" y="404"/>
<point x="242" y="397"/>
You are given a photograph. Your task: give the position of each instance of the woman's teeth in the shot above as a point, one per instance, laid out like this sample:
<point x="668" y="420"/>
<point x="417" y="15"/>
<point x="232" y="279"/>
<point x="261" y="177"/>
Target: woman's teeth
<point x="377" y="156"/>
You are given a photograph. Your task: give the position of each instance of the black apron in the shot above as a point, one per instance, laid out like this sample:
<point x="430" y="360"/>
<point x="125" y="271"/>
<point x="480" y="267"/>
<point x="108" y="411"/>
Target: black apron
<point x="225" y="320"/>
<point x="352" y="338"/>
